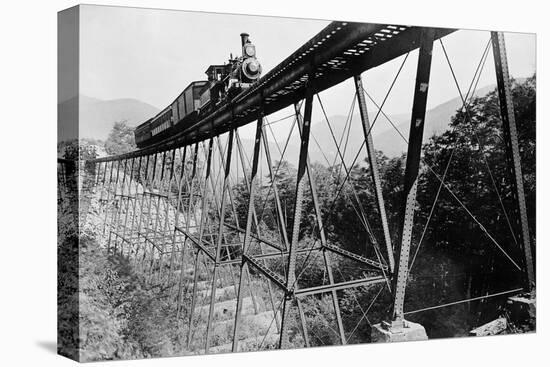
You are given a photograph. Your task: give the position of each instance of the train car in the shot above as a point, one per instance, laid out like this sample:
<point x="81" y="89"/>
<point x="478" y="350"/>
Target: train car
<point x="142" y="133"/>
<point x="181" y="113"/>
<point x="201" y="98"/>
<point x="188" y="101"/>
<point x="162" y="121"/>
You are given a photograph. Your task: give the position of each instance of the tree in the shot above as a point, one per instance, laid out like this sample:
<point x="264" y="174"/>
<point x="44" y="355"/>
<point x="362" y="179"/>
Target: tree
<point x="121" y="139"/>
<point x="457" y="259"/>
<point x="77" y="149"/>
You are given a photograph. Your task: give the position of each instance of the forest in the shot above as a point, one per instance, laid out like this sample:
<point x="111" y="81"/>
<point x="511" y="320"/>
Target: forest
<point x="121" y="315"/>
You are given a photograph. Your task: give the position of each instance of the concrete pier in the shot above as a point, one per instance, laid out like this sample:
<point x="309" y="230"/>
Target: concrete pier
<point x="397" y="331"/>
<point x="523" y="310"/>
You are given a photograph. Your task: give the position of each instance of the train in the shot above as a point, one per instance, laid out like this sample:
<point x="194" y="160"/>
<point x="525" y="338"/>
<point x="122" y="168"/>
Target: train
<point x="202" y="97"/>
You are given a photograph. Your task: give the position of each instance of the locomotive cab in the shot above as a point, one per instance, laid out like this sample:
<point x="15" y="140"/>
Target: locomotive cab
<point x="216" y="84"/>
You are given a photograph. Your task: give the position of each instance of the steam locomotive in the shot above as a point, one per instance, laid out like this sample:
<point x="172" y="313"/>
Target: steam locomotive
<point x="200" y="98"/>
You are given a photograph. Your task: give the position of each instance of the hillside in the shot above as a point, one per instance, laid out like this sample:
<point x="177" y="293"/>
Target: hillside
<point x="386" y="138"/>
<point x="98" y="116"/>
<point x="437" y="121"/>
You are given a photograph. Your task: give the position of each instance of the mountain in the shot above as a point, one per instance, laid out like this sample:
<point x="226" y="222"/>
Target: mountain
<point x="437" y="121"/>
<point x="98" y="116"/>
<point x="385" y="136"/>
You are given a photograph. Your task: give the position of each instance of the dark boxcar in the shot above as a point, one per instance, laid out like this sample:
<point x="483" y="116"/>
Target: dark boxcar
<point x="192" y="96"/>
<point x="142" y="133"/>
<point x="187" y="101"/>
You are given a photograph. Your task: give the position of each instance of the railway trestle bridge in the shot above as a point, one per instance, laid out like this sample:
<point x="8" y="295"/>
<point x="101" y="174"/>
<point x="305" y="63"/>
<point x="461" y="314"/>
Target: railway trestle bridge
<point x="170" y="208"/>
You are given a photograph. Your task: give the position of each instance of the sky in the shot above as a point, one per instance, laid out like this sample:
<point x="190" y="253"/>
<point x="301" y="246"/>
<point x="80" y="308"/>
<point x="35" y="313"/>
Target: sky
<point x="152" y="55"/>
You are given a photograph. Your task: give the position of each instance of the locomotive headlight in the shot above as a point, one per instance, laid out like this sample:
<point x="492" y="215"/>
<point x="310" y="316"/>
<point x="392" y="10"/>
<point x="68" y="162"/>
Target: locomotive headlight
<point x="251" y="68"/>
<point x="249" y="50"/>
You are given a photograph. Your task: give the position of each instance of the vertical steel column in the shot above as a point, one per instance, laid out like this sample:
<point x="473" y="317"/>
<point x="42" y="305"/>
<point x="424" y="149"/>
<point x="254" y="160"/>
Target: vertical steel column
<point x="113" y="216"/>
<point x="187" y="224"/>
<point x="512" y="148"/>
<point x="201" y="233"/>
<point x="154" y="223"/>
<point x="176" y="216"/>
<point x="254" y="303"/>
<point x="280" y="214"/>
<point x="303" y="321"/>
<point x="149" y="213"/>
<point x="157" y="217"/>
<point x="247" y="234"/>
<point x="102" y="182"/>
<point x="168" y="206"/>
<point x="375" y="174"/>
<point x="221" y="228"/>
<point x="167" y="214"/>
<point x="127" y="208"/>
<point x="411" y="169"/>
<point x="140" y="220"/>
<point x="120" y="205"/>
<point x="217" y="204"/>
<point x="108" y="196"/>
<point x="282" y="224"/>
<point x="134" y="207"/>
<point x="193" y="298"/>
<point x="321" y="228"/>
<point x="160" y="228"/>
<point x="291" y="268"/>
<point x="256" y="225"/>
<point x="97" y="173"/>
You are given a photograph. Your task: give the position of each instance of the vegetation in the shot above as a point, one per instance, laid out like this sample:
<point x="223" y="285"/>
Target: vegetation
<point x="121" y="315"/>
<point x="74" y="149"/>
<point x="121" y="139"/>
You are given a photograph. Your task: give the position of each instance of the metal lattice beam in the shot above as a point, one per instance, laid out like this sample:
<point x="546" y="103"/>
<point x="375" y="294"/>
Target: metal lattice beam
<point x="512" y="149"/>
<point x="412" y="168"/>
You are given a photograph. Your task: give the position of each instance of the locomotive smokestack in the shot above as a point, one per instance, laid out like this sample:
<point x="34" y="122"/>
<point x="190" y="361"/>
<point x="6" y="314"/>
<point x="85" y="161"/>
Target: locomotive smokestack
<point x="244" y="38"/>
